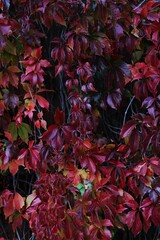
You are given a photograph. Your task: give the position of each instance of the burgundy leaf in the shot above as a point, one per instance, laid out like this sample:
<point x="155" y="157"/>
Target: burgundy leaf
<point x="134" y="140"/>
<point x="156" y="215"/>
<point x="57" y="142"/>
<point x="91" y="165"/>
<point x="127" y="128"/>
<point x="59" y="117"/>
<point x="68" y="132"/>
<point x="100" y="158"/>
<point x="129" y="219"/>
<point x="51" y="133"/>
<point x="137" y="226"/>
<point x="58" y="17"/>
<point x="11" y="100"/>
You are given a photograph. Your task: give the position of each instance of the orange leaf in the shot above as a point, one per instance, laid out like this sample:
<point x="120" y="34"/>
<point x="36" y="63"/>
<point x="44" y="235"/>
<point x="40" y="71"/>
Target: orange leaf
<point x="13" y="167"/>
<point x="87" y="143"/>
<point x="18" y="201"/>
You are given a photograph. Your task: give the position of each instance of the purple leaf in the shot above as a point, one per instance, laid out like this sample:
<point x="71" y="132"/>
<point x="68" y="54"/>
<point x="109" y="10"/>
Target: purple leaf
<point x="118" y="31"/>
<point x="114" y="99"/>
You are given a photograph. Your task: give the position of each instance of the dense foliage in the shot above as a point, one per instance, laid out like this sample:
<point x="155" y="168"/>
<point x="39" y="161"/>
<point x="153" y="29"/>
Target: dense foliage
<point x="79" y="119"/>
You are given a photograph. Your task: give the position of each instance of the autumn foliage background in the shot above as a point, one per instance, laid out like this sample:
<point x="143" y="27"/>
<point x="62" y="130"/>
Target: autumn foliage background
<point x="79" y="119"/>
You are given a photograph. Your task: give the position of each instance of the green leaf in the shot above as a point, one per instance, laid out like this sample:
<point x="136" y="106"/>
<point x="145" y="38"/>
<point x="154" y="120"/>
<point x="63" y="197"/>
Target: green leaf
<point x="137" y="55"/>
<point x="81" y="188"/>
<point x="23" y="131"/>
<point x="7" y="58"/>
<point x="10" y="48"/>
<point x="12" y="129"/>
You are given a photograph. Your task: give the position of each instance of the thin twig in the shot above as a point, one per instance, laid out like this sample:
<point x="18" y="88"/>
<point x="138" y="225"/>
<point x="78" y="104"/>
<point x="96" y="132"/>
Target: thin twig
<point x="18" y="236"/>
<point x="125" y="114"/>
<point x="139" y="4"/>
<point x="30" y="185"/>
<point x="67" y="105"/>
<point x="157" y="232"/>
<point x="14" y="184"/>
<point x="61" y="92"/>
<point x="3" y="229"/>
<point x="113" y="127"/>
<point x="32" y="237"/>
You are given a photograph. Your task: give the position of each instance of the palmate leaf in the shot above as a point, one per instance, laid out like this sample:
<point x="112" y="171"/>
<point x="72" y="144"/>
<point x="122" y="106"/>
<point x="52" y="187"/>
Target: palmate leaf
<point x="13" y="201"/>
<point x="83" y="171"/>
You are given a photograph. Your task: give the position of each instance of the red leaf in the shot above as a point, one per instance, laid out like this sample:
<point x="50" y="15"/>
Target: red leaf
<point x="141" y="169"/>
<point x="87" y="143"/>
<point x="107" y="234"/>
<point x="42" y="102"/>
<point x="68" y="228"/>
<point x="91" y="165"/>
<point x="34" y="157"/>
<point x="129" y="218"/>
<point x="100" y="158"/>
<point x="13" y="167"/>
<point x="2" y="107"/>
<point x="9" y="207"/>
<point x="37" y="52"/>
<point x="29" y="105"/>
<point x="23" y="153"/>
<point x="45" y="63"/>
<point x="17" y="222"/>
<point x="58" y="68"/>
<point x="72" y="213"/>
<point x="107" y="222"/>
<point x="146" y="202"/>
<point x="9" y="136"/>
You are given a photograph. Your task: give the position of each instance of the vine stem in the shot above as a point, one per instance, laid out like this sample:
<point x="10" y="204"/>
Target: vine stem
<point x="139" y="4"/>
<point x="125" y="114"/>
<point x="3" y="229"/>
<point x="18" y="236"/>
